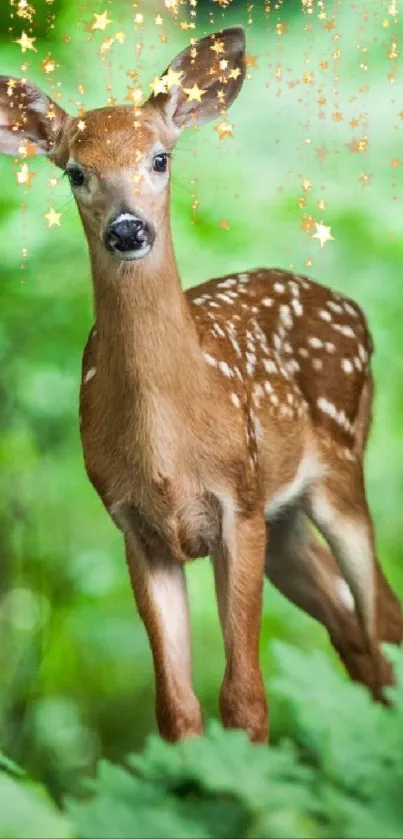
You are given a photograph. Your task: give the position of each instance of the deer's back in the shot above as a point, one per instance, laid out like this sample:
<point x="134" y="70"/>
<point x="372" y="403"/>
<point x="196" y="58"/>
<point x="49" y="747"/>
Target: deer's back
<point x="292" y="348"/>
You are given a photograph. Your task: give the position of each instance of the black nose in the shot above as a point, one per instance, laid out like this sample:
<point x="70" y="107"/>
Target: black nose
<point x="128" y="233"/>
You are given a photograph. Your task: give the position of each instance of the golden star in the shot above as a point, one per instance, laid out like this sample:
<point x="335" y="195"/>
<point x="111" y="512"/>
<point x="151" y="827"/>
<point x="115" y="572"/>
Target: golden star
<point x="24" y="176"/>
<point x="53" y="218"/>
<point x="27" y="149"/>
<point x="106" y="46"/>
<point x="81" y="125"/>
<point x="224" y="129"/>
<point x="48" y="64"/>
<point x="26" y="43"/>
<point x="158" y="20"/>
<point x="194" y="93"/>
<point x="234" y="74"/>
<point x="218" y="47"/>
<point x="120" y="36"/>
<point x="250" y="60"/>
<point x="52" y="182"/>
<point x="158" y="86"/>
<point x="135" y="95"/>
<point x="101" y="21"/>
<point x="307" y="223"/>
<point x="322" y="233"/>
<point x="172" y="79"/>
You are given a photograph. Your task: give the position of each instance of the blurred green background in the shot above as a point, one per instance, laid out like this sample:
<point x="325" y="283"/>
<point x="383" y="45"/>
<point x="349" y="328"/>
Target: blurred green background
<point x="317" y="136"/>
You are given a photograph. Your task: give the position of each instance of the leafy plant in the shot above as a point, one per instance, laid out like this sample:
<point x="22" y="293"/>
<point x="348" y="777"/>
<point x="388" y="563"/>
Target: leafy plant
<point x="340" y="773"/>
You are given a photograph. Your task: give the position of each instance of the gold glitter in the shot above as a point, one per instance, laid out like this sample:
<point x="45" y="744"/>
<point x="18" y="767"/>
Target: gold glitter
<point x="322" y="233"/>
<point x="48" y="64"/>
<point x="172" y="78"/>
<point x="24" y="176"/>
<point x="106" y="46"/>
<point x="250" y="60"/>
<point x="195" y="93"/>
<point x="53" y="218"/>
<point x="224" y="129"/>
<point x="26" y="43"/>
<point x="307" y="223"/>
<point x="101" y="21"/>
<point x="158" y="86"/>
<point x="135" y="95"/>
<point x="218" y="47"/>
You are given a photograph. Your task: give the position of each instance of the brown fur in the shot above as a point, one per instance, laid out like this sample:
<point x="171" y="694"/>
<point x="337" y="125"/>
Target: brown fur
<point x="220" y="421"/>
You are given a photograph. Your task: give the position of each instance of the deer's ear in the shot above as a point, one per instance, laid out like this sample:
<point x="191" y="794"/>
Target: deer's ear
<point x="204" y="79"/>
<point x="28" y="114"/>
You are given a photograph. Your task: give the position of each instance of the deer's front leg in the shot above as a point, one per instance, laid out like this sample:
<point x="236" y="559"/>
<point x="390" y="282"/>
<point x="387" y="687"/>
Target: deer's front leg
<point x="161" y="597"/>
<point x="239" y="574"/>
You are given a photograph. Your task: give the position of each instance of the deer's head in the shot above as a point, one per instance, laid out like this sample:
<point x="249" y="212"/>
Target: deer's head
<point x="117" y="159"/>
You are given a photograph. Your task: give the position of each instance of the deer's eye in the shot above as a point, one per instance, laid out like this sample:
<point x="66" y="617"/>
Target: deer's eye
<point x="160" y="163"/>
<point x="76" y="176"/>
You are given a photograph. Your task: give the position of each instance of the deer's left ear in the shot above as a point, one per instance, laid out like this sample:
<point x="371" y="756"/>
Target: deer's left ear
<point x="204" y="79"/>
<point x="28" y="114"/>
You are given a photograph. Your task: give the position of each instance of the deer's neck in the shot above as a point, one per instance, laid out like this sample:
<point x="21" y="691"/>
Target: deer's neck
<point x="146" y="337"/>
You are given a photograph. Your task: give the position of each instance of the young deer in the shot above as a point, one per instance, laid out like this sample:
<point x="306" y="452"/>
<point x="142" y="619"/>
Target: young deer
<point x="221" y="421"/>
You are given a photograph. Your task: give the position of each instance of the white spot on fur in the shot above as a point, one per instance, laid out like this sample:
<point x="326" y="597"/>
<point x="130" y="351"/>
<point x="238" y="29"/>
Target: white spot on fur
<point x="344" y="329"/>
<point x="210" y="359"/>
<point x="343" y="591"/>
<point x="90" y="374"/>
<point x="225" y="368"/>
<point x="347" y="365"/>
<point x="286" y="316"/>
<point x="298" y="307"/>
<point x="314" y="342"/>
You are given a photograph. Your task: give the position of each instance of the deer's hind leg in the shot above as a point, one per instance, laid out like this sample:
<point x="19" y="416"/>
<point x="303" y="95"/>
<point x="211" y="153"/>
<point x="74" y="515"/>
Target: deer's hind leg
<point x="306" y="572"/>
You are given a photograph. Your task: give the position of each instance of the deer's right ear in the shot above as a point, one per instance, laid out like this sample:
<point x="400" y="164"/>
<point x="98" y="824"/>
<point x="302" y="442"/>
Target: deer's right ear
<point x="28" y="114"/>
<point x="203" y="80"/>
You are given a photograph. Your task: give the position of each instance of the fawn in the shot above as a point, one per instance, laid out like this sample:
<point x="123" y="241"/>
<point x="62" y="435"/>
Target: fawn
<point x="218" y="422"/>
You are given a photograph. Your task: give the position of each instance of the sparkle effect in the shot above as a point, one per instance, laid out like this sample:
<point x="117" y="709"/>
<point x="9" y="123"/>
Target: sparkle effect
<point x="312" y="85"/>
<point x="53" y="218"/>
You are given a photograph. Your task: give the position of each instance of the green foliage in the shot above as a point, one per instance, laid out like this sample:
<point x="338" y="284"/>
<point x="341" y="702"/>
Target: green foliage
<point x="340" y="773"/>
<point x="75" y="665"/>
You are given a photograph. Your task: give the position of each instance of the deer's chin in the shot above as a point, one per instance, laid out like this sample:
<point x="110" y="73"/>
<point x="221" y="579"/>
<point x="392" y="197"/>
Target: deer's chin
<point x="132" y="256"/>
